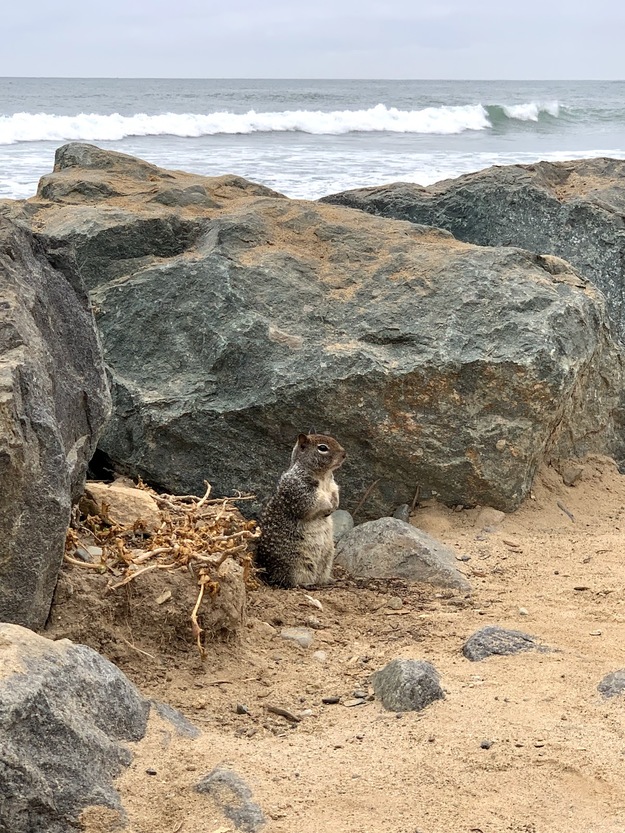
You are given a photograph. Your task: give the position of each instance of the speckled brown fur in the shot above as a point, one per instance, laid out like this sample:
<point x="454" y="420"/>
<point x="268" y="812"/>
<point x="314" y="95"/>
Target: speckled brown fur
<point x="296" y="547"/>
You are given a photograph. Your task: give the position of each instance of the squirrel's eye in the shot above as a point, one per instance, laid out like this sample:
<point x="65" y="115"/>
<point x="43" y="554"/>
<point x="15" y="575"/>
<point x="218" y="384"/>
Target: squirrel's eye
<point x="323" y="448"/>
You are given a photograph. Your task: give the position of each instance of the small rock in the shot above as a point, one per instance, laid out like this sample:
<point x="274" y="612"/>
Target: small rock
<point x="463" y="558"/>
<point x="486" y="744"/>
<point x="407" y="685"/>
<point x="261" y="627"/>
<point x="82" y="553"/>
<point x="302" y="636"/>
<point x="359" y="693"/>
<point x="570" y="473"/>
<point x="390" y="548"/>
<point x="357" y="701"/>
<point x="125" y="505"/>
<point x="330" y="701"/>
<point x="314" y="622"/>
<point x="314" y="602"/>
<point x="234" y="797"/>
<point x="612" y="684"/>
<point x="402" y="513"/>
<point x="320" y="656"/>
<point x="180" y="723"/>
<point x="150" y="771"/>
<point x="489" y="518"/>
<point x="500" y="445"/>
<point x="523" y="611"/>
<point x="342" y="524"/>
<point x="95" y="552"/>
<point x="395" y="603"/>
<point x="241" y="709"/>
<point x="495" y="641"/>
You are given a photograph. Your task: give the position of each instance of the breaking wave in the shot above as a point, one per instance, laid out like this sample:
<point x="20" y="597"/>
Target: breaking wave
<point x="40" y="127"/>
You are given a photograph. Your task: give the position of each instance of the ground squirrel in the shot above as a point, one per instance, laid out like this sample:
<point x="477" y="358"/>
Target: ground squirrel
<point x="296" y="546"/>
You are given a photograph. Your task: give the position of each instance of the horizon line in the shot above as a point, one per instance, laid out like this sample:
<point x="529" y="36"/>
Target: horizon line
<point x="298" y="78"/>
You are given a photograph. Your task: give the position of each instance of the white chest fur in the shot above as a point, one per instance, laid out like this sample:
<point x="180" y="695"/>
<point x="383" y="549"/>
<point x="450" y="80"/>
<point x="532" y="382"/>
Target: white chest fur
<point x="326" y="498"/>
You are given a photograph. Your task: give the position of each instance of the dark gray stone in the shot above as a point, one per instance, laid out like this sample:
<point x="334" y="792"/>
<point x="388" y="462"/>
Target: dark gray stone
<point x="407" y="685"/>
<point x="402" y="513"/>
<point x="230" y="328"/>
<point x="54" y="401"/>
<point x="180" y="723"/>
<point x="494" y="641"/>
<point x="573" y="210"/>
<point x="234" y="797"/>
<point x="390" y="548"/>
<point x="65" y="713"/>
<point x="612" y="684"/>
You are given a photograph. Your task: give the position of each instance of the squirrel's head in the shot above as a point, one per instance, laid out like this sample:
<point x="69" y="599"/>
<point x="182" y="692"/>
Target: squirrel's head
<point x="318" y="452"/>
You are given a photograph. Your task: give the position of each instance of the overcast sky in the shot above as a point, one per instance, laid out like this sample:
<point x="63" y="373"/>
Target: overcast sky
<point x="533" y="39"/>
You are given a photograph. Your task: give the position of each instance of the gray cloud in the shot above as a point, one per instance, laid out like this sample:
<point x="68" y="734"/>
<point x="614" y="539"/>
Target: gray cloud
<point x="324" y="39"/>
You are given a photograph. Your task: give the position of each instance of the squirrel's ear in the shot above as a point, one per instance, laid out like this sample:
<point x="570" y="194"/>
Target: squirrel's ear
<point x="302" y="440"/>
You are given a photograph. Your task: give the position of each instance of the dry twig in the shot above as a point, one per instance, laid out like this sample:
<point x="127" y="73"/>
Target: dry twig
<point x="194" y="532"/>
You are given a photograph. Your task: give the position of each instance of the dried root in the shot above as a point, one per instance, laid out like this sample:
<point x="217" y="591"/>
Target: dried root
<point x="196" y="535"/>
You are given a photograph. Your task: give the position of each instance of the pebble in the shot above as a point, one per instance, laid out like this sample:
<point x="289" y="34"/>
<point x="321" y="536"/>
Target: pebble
<point x="402" y="512"/>
<point x="81" y="552"/>
<point x="150" y="771"/>
<point x="523" y="611"/>
<point x="357" y="701"/>
<point x="395" y="603"/>
<point x="488" y="519"/>
<point x="241" y="709"/>
<point x="463" y="558"/>
<point x="95" y="552"/>
<point x="486" y="744"/>
<point x="302" y="636"/>
<point x="320" y="656"/>
<point x="330" y="701"/>
<point x="359" y="693"/>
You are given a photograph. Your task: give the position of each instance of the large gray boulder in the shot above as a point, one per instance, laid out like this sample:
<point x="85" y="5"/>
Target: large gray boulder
<point x="232" y="318"/>
<point x="54" y="401"/>
<point x="66" y="714"/>
<point x="574" y="210"/>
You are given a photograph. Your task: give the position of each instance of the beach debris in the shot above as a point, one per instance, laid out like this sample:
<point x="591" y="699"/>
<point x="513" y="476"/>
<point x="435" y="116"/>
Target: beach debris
<point x="193" y="534"/>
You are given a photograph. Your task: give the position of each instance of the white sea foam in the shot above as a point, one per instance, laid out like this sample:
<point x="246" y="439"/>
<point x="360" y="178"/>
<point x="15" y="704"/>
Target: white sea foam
<point x="531" y="110"/>
<point x="92" y="127"/>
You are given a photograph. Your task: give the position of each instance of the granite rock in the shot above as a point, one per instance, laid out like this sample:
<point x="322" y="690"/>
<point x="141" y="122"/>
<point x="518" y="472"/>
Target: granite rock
<point x="495" y="641"/>
<point x="407" y="685"/>
<point x="572" y="210"/>
<point x="232" y="317"/>
<point x="612" y="684"/>
<point x="391" y="548"/>
<point x="234" y="797"/>
<point x="54" y="402"/>
<point x="66" y="714"/>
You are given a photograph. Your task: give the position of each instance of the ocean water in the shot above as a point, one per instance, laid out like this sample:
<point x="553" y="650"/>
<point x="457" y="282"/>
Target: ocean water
<point x="308" y="138"/>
